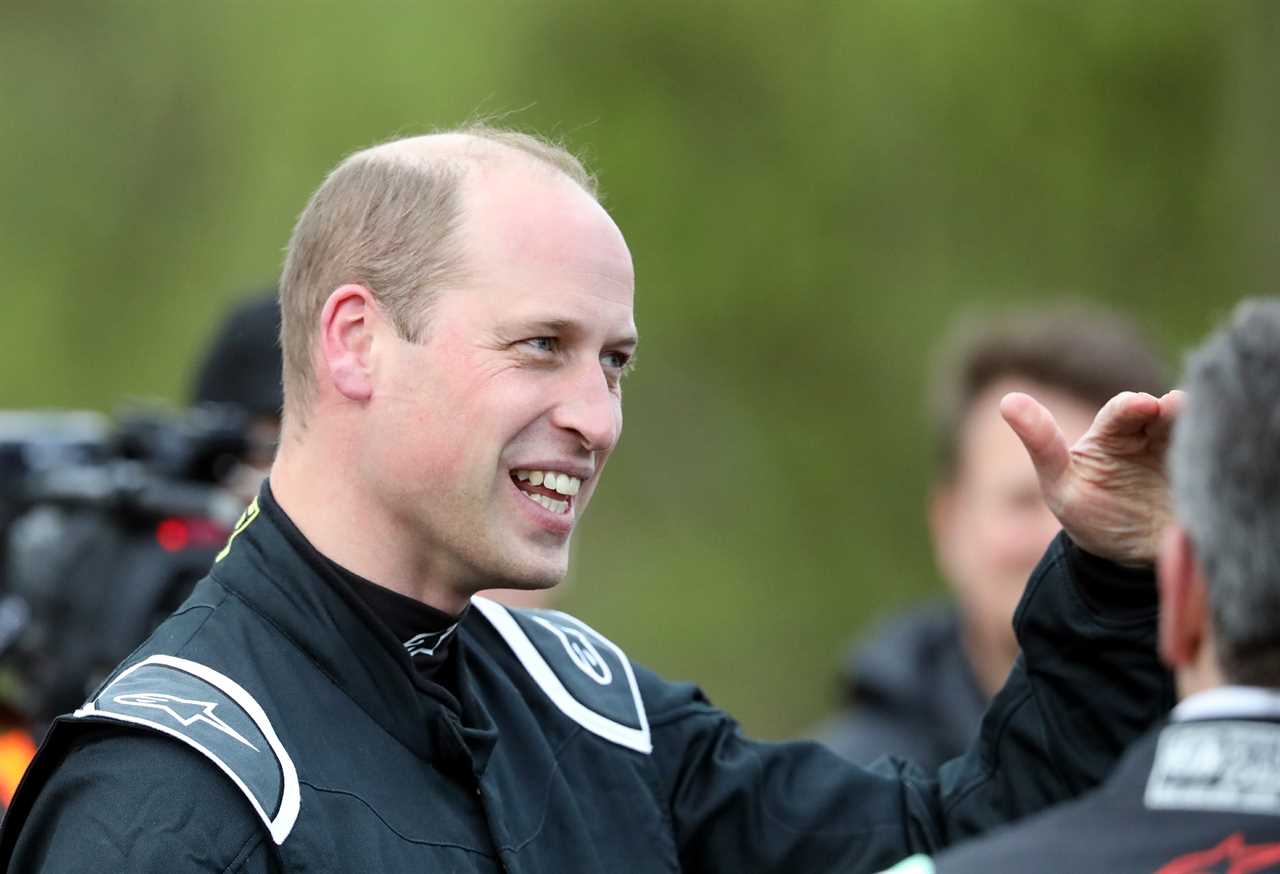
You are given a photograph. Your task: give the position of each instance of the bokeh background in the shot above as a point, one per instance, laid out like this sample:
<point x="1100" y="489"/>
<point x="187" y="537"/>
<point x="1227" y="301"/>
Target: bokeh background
<point x="812" y="192"/>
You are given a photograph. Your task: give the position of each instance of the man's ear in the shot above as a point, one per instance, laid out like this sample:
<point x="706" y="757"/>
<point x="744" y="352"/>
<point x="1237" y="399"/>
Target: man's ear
<point x="1184" y="599"/>
<point x="346" y="341"/>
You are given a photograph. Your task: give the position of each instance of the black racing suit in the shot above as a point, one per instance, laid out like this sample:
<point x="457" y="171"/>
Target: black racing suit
<point x="1197" y="796"/>
<point x="272" y="725"/>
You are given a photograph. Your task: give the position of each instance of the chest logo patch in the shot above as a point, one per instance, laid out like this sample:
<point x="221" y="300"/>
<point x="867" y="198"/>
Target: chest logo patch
<point x="581" y="651"/>
<point x="584" y="674"/>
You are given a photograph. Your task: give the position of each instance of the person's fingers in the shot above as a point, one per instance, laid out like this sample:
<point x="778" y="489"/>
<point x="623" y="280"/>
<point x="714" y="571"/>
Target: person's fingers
<point x="1126" y="413"/>
<point x="1039" y="433"/>
<point x="1170" y="407"/>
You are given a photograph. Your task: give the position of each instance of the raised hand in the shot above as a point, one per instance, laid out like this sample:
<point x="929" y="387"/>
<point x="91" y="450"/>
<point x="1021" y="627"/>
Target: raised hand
<point x="1110" y="490"/>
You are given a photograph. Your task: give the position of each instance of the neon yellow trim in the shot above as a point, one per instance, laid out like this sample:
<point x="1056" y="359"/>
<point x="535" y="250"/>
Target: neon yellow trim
<point x="250" y="513"/>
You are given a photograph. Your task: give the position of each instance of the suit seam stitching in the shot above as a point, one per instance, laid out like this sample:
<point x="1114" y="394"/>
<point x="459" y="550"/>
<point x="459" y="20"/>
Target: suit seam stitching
<point x="251" y="843"/>
<point x="542" y="823"/>
<point x="418" y="841"/>
<point x="988" y="768"/>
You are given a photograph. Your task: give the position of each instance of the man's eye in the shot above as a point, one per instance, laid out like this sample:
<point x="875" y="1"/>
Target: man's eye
<point x="616" y="366"/>
<point x="616" y="361"/>
<point x="543" y="344"/>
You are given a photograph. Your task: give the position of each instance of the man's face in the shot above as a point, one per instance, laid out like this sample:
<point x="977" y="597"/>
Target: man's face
<point x="484" y="442"/>
<point x="990" y="524"/>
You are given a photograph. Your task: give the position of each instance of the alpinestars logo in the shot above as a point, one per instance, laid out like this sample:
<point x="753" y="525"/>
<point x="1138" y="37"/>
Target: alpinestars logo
<point x="428" y="642"/>
<point x="1232" y="856"/>
<point x="184" y="710"/>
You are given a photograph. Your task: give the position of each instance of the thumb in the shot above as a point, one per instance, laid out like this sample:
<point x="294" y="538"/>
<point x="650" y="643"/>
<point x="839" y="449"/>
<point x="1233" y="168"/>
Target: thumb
<point x="1039" y="433"/>
<point x="1160" y="430"/>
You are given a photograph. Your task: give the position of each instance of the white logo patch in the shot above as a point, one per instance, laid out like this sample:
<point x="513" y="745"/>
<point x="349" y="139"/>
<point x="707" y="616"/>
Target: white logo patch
<point x="428" y="642"/>
<point x="584" y="647"/>
<point x="581" y="651"/>
<point x="1222" y="766"/>
<point x="195" y="711"/>
<point x="171" y="695"/>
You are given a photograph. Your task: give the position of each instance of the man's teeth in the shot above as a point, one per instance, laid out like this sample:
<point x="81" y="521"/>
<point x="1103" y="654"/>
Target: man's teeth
<point x="557" y="482"/>
<point x="550" y="503"/>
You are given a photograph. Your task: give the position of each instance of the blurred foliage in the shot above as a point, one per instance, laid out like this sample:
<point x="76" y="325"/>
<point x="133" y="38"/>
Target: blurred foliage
<point x="812" y="192"/>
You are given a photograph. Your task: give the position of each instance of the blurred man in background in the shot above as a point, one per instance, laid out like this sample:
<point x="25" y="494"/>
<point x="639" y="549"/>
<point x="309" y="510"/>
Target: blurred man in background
<point x="918" y="688"/>
<point x="1202" y="793"/>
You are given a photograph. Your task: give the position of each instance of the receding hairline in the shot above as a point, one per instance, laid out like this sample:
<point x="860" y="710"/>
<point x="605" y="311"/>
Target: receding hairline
<point x="481" y="148"/>
<point x="390" y="216"/>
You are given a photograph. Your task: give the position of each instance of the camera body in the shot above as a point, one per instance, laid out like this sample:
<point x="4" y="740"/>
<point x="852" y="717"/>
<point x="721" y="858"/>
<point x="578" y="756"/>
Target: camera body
<point x="103" y="532"/>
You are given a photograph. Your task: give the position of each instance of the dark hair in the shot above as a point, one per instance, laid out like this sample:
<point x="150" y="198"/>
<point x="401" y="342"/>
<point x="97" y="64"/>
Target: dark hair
<point x="242" y="365"/>
<point x="1081" y="350"/>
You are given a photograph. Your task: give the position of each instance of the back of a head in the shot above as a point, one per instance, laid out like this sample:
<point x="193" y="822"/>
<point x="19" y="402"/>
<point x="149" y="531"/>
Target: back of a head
<point x="1225" y="466"/>
<point x="1082" y="350"/>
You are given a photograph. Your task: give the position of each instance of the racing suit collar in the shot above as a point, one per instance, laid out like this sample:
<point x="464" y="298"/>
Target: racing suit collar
<point x="306" y="596"/>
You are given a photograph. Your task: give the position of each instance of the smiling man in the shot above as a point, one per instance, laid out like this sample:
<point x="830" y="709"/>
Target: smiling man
<point x="457" y="394"/>
<point x="457" y="320"/>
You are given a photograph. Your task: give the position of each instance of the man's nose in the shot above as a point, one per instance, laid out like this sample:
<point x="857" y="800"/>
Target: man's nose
<point x="591" y="409"/>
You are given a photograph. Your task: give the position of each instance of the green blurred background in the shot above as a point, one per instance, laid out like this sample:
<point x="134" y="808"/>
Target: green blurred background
<point x="811" y="191"/>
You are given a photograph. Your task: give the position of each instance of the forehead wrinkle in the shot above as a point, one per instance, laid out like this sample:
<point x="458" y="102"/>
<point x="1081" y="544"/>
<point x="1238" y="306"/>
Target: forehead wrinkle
<point x="568" y="324"/>
<point x="610" y="278"/>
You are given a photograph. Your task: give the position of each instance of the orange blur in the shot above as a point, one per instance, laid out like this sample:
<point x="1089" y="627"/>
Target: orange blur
<point x="16" y="751"/>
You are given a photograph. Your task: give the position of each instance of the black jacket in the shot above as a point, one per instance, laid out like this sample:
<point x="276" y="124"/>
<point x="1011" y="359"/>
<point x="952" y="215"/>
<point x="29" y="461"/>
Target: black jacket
<point x="1197" y="796"/>
<point x="272" y="724"/>
<point x="909" y="692"/>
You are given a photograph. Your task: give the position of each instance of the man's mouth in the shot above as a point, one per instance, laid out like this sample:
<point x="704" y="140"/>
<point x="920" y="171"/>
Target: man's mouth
<point x="550" y="488"/>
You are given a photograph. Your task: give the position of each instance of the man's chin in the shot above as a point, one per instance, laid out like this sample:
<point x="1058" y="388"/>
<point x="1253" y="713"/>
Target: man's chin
<point x="525" y="598"/>
<point x="532" y="588"/>
<point x="536" y="573"/>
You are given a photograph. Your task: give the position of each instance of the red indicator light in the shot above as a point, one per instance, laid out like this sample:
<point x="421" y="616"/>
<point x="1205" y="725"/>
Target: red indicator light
<point x="173" y="535"/>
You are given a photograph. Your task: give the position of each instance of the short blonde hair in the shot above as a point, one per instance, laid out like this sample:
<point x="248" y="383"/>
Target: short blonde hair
<point x="389" y="224"/>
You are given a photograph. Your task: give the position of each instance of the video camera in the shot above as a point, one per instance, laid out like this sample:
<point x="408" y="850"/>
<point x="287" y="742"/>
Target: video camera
<point x="103" y="531"/>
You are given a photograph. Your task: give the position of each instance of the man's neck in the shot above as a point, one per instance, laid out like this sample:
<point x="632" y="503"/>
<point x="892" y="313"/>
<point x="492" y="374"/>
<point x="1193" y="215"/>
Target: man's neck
<point x="1201" y="673"/>
<point x="346" y="529"/>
